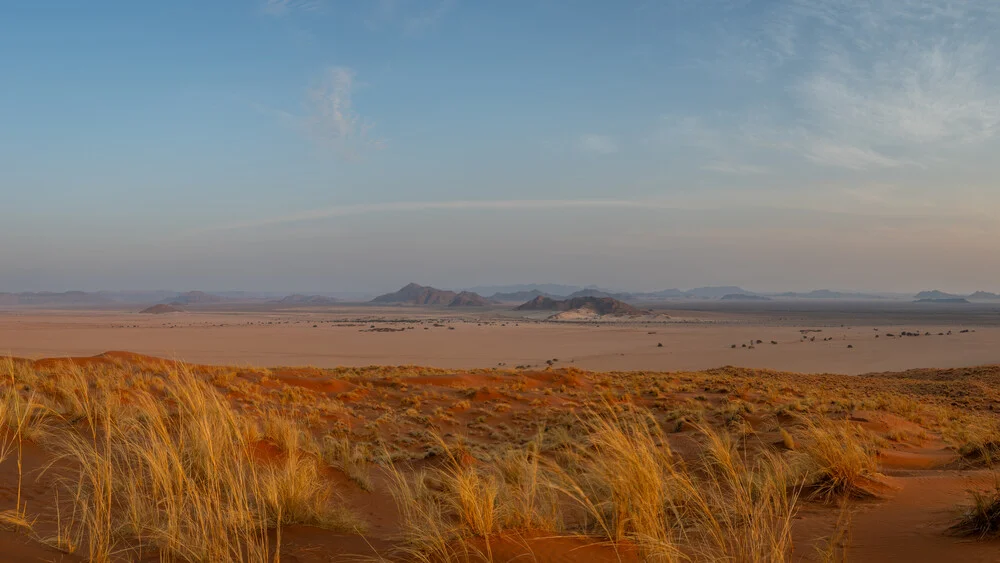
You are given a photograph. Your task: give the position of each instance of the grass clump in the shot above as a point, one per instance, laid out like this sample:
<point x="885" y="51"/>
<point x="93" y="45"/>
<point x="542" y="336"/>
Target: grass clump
<point x="178" y="475"/>
<point x="840" y="461"/>
<point x="981" y="520"/>
<point x="443" y="508"/>
<point x="349" y="457"/>
<point x="981" y="444"/>
<point x="619" y="484"/>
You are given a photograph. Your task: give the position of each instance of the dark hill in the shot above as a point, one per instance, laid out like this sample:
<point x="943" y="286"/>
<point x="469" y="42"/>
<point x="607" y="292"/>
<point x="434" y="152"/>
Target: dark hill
<point x="935" y="294"/>
<point x="711" y="292"/>
<point x="541" y="303"/>
<point x="161" y="309"/>
<point x="600" y="305"/>
<point x="519" y="296"/>
<point x="469" y="299"/>
<point x="590" y="292"/>
<point x="417" y="294"/>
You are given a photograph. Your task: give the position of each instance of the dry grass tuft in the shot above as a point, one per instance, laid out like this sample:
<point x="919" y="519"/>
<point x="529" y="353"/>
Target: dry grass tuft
<point x="840" y="461"/>
<point x="982" y="519"/>
<point x="157" y="460"/>
<point x="349" y="457"/>
<point x="184" y="480"/>
<point x="981" y="444"/>
<point x="442" y="508"/>
<point x="627" y="487"/>
<point x="787" y="440"/>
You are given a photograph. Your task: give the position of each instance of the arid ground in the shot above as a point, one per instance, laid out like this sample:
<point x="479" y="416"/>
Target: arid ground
<point x="515" y="439"/>
<point x="811" y="337"/>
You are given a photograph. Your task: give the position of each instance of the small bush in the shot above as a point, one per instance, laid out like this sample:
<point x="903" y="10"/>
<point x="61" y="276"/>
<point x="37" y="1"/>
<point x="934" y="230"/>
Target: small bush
<point x="982" y="519"/>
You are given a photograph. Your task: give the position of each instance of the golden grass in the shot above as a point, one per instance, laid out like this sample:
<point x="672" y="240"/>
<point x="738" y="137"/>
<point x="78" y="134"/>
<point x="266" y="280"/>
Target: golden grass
<point x="622" y="486"/>
<point x="349" y="457"/>
<point x="208" y="464"/>
<point x="443" y="507"/>
<point x="787" y="439"/>
<point x="21" y="418"/>
<point x="175" y="473"/>
<point x="981" y="443"/>
<point x="840" y="461"/>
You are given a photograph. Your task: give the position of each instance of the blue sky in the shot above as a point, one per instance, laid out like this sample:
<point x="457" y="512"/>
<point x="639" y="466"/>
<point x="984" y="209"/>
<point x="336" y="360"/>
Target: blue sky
<point x="334" y="145"/>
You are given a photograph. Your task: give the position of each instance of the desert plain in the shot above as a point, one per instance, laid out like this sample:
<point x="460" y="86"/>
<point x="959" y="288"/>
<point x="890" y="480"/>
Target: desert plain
<point x="809" y="337"/>
<point x="710" y="431"/>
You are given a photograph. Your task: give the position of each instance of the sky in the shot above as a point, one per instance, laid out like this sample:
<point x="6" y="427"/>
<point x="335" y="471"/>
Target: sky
<point x="335" y="145"/>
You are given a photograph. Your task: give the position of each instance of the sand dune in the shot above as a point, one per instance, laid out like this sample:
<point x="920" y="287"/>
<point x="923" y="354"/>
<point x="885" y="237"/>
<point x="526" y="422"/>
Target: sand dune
<point x="916" y="438"/>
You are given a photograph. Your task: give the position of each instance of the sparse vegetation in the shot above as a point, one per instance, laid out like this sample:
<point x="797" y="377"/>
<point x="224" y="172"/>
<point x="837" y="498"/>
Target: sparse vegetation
<point x="150" y="458"/>
<point x="841" y="462"/>
<point x="982" y="519"/>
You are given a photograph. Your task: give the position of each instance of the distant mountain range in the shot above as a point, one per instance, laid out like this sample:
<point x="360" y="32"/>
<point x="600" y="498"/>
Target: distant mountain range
<point x="553" y="289"/>
<point x="827" y="294"/>
<point x="416" y="294"/>
<point x="520" y="296"/>
<point x="531" y="292"/>
<point x="53" y="299"/>
<point x="937" y="295"/>
<point x="161" y="309"/>
<point x="195" y="298"/>
<point x="306" y="300"/>
<point x="425" y="295"/>
<point x="469" y="299"/>
<point x="720" y="292"/>
<point x="743" y="297"/>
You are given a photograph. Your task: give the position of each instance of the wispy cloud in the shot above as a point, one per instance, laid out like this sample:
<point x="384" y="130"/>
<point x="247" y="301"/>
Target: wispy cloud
<point x="735" y="168"/>
<point x="876" y="84"/>
<point x="423" y="21"/>
<point x="412" y="18"/>
<point x="847" y="156"/>
<point x="282" y="7"/>
<point x="920" y="95"/>
<point x="458" y="205"/>
<point x="905" y="77"/>
<point x="726" y="144"/>
<point x="330" y="116"/>
<point x="870" y="200"/>
<point x="594" y="143"/>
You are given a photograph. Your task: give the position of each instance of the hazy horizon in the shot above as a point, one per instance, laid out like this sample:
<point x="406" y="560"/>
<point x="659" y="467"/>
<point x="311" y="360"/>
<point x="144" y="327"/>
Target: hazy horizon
<point x="349" y="294"/>
<point x="312" y="145"/>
